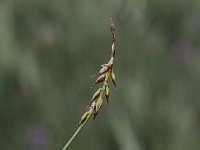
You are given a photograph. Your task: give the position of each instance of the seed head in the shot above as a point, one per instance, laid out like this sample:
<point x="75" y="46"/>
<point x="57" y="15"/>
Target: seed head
<point x="105" y="73"/>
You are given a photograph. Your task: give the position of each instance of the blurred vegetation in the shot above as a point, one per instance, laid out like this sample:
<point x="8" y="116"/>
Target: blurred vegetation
<point x="50" y="49"/>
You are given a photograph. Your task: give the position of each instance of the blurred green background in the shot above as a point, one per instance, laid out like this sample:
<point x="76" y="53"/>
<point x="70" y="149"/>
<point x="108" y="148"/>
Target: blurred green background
<point x="50" y="49"/>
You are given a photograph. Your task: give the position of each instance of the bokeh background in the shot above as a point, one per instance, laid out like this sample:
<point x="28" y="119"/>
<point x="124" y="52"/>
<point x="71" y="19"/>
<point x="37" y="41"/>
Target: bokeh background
<point x="50" y="50"/>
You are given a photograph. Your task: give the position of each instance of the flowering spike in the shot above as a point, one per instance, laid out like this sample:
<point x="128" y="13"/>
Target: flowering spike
<point x="105" y="73"/>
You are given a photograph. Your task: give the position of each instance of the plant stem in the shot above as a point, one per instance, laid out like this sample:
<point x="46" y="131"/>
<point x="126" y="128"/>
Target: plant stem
<point x="95" y="104"/>
<point x="76" y="133"/>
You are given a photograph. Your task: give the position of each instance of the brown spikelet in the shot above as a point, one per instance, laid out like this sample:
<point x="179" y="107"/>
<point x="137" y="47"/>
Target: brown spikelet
<point x="103" y="69"/>
<point x="106" y="65"/>
<point x="99" y="104"/>
<point x="83" y="118"/>
<point x="100" y="79"/>
<point x="112" y="27"/>
<point x="113" y="78"/>
<point x="107" y="93"/>
<point x="96" y="95"/>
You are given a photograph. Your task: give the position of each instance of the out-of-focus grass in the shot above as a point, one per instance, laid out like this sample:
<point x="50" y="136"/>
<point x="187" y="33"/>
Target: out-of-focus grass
<point x="49" y="48"/>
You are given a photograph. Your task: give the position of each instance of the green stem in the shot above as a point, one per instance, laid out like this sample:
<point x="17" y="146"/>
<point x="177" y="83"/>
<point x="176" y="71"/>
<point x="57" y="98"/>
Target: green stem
<point x="76" y="133"/>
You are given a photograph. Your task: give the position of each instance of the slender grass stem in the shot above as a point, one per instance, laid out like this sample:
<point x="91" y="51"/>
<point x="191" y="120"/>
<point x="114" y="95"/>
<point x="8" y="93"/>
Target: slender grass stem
<point x="76" y="133"/>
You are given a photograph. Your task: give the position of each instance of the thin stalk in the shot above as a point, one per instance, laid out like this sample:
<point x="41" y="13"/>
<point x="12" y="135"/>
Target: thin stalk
<point x="76" y="133"/>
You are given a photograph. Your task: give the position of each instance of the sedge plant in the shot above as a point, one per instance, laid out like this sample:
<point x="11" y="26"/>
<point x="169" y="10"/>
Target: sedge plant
<point x="106" y="72"/>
